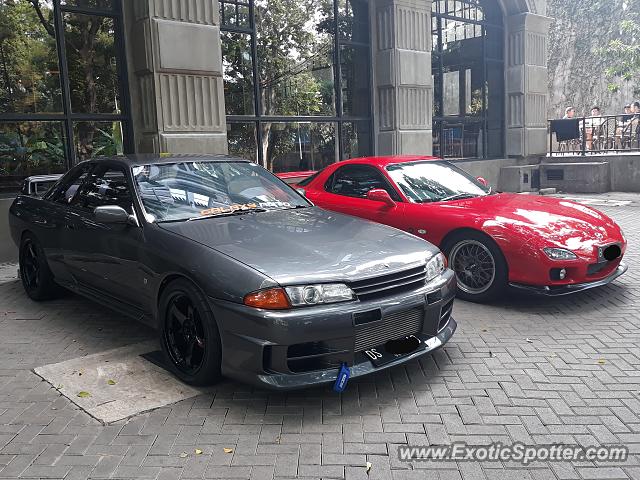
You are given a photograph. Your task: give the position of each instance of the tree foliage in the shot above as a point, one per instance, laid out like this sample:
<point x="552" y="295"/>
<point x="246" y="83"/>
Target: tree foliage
<point x="624" y="53"/>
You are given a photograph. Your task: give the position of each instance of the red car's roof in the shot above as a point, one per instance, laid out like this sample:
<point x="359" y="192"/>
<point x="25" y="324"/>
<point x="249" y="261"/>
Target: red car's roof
<point x="389" y="160"/>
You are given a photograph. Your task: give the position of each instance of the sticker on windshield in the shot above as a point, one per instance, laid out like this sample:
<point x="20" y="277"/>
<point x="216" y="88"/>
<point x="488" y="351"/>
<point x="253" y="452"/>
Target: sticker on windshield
<point x="228" y="209"/>
<point x="276" y="204"/>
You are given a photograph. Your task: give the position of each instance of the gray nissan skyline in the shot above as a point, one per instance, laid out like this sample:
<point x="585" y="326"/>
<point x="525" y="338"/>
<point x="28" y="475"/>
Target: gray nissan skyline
<point x="240" y="274"/>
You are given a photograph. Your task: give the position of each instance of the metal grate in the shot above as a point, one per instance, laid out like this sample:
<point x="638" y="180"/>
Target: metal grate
<point x="555" y="174"/>
<point x="392" y="327"/>
<point x="388" y="284"/>
<point x="445" y="315"/>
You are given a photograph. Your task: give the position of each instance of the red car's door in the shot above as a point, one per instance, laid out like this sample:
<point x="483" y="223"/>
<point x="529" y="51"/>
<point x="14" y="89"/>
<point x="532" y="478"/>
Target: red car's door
<point x="346" y="192"/>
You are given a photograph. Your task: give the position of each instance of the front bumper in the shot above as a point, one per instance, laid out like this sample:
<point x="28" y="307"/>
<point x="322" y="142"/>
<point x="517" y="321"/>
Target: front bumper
<point x="557" y="291"/>
<point x="305" y="347"/>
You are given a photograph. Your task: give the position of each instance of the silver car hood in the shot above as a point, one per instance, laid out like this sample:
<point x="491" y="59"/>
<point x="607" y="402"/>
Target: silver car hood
<point x="308" y="245"/>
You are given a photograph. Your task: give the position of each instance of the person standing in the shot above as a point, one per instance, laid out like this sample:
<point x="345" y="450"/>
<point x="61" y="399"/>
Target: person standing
<point x="570" y="112"/>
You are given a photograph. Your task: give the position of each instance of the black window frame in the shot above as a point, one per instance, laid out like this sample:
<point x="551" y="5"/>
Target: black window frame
<point x="339" y="119"/>
<point x="98" y="171"/>
<point x="67" y="117"/>
<point x="391" y="190"/>
<point x="438" y="69"/>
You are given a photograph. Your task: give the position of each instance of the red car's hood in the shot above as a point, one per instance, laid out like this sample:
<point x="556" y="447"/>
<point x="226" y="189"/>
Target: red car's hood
<point x="562" y="222"/>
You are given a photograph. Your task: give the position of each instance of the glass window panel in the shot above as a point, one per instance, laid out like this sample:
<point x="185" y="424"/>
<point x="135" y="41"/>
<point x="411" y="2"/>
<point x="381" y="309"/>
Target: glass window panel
<point x="30" y="148"/>
<point x="295" y="53"/>
<point x="90" y="4"/>
<point x="353" y="20"/>
<point x="235" y="13"/>
<point x="29" y="69"/>
<point x="238" y="73"/>
<point x="354" y="68"/>
<point x="356" y="139"/>
<point x="95" y="139"/>
<point x="451" y="93"/>
<point x="299" y="146"/>
<point x="241" y="138"/>
<point x="91" y="61"/>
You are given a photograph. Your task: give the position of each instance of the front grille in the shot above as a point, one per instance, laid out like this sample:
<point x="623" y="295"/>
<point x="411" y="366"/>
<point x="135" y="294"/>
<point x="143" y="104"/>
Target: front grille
<point x="445" y="315"/>
<point x="388" y="284"/>
<point x="310" y="356"/>
<point x="596" y="268"/>
<point x="392" y="327"/>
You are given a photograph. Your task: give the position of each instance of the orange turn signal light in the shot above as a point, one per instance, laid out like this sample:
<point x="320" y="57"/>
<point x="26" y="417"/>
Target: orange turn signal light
<point x="271" y="299"/>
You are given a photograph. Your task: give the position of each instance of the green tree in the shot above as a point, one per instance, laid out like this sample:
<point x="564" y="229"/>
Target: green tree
<point x="295" y="52"/>
<point x="623" y="53"/>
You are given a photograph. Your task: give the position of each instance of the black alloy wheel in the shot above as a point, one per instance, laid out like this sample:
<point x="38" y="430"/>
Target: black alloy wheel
<point x="189" y="334"/>
<point x="479" y="265"/>
<point x="35" y="274"/>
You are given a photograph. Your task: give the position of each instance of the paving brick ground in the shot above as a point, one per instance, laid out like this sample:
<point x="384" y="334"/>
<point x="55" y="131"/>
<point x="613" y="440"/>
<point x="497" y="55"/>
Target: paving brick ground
<point x="575" y="380"/>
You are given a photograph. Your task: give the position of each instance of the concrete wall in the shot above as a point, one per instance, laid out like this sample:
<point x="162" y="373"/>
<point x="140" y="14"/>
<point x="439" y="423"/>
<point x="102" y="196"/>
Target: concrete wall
<point x="403" y="85"/>
<point x="175" y="75"/>
<point x="621" y="173"/>
<point x="488" y="169"/>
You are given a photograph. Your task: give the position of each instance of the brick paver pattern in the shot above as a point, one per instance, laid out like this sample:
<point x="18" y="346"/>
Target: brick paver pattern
<point x="533" y="370"/>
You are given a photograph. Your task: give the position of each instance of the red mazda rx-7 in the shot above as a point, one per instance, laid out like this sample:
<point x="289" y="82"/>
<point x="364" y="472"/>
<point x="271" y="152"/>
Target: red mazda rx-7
<point x="492" y="240"/>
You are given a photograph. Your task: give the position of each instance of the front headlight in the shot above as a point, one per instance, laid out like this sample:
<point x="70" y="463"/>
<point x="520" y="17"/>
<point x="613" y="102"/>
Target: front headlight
<point x="435" y="266"/>
<point x="318" y="294"/>
<point x="560" y="254"/>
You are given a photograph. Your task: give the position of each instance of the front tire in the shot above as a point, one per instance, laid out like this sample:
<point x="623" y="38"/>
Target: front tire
<point x="480" y="266"/>
<point x="35" y="274"/>
<point x="189" y="334"/>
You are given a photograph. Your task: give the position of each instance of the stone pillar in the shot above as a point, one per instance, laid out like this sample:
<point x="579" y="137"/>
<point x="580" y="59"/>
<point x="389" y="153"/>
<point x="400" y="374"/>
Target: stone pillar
<point x="527" y="87"/>
<point x="403" y="85"/>
<point x="175" y="75"/>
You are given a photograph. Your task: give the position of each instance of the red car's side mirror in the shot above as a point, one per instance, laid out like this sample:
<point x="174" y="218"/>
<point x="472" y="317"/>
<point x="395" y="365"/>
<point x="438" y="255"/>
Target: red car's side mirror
<point x="483" y="181"/>
<point x="381" y="195"/>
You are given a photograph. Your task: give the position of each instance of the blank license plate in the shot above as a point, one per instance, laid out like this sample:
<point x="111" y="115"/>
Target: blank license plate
<point x="380" y="356"/>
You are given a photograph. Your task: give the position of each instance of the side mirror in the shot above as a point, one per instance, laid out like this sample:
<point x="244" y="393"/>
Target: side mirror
<point x="381" y="195"/>
<point x="483" y="181"/>
<point x="114" y="214"/>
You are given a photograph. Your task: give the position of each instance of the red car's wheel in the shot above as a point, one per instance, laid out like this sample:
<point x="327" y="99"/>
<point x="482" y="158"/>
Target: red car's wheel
<point x="479" y="265"/>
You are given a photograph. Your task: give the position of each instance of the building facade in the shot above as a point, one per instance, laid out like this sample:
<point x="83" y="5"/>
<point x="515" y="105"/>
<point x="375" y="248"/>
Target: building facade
<point x="291" y="84"/>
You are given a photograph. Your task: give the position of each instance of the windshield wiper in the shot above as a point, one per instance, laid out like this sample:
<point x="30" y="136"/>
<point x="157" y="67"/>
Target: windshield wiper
<point x="459" y="196"/>
<point x="228" y="214"/>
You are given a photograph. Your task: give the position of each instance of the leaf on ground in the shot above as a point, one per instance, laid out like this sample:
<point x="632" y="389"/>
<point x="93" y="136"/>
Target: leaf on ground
<point x="84" y="394"/>
<point x="601" y="361"/>
<point x="369" y="467"/>
<point x="60" y="387"/>
<point x="485" y="330"/>
<point x="529" y="340"/>
<point x="198" y="451"/>
<point x="111" y="382"/>
<point x="228" y="450"/>
<point x="184" y="455"/>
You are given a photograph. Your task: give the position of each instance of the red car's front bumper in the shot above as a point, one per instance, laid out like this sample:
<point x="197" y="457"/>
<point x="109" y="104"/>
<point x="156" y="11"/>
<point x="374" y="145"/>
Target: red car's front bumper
<point x="558" y="289"/>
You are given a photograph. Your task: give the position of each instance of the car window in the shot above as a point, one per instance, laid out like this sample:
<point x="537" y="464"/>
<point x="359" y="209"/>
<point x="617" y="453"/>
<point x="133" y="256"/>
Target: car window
<point x="431" y="181"/>
<point x="357" y="180"/>
<point x="104" y="186"/>
<point x="180" y="191"/>
<point x="68" y="185"/>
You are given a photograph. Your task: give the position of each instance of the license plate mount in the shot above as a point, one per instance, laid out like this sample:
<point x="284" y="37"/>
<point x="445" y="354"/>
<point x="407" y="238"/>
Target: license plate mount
<point x="382" y="355"/>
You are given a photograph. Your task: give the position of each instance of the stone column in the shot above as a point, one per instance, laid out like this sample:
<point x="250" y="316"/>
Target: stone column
<point x="403" y="85"/>
<point x="527" y="87"/>
<point x="175" y="70"/>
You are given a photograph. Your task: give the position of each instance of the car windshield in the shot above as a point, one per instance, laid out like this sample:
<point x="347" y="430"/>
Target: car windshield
<point x="193" y="190"/>
<point x="431" y="181"/>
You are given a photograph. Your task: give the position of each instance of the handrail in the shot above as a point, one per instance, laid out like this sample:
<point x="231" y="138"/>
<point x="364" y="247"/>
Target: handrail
<point x="594" y="135"/>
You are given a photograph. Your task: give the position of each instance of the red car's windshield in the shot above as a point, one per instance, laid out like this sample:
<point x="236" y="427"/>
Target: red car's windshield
<point x="432" y="181"/>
